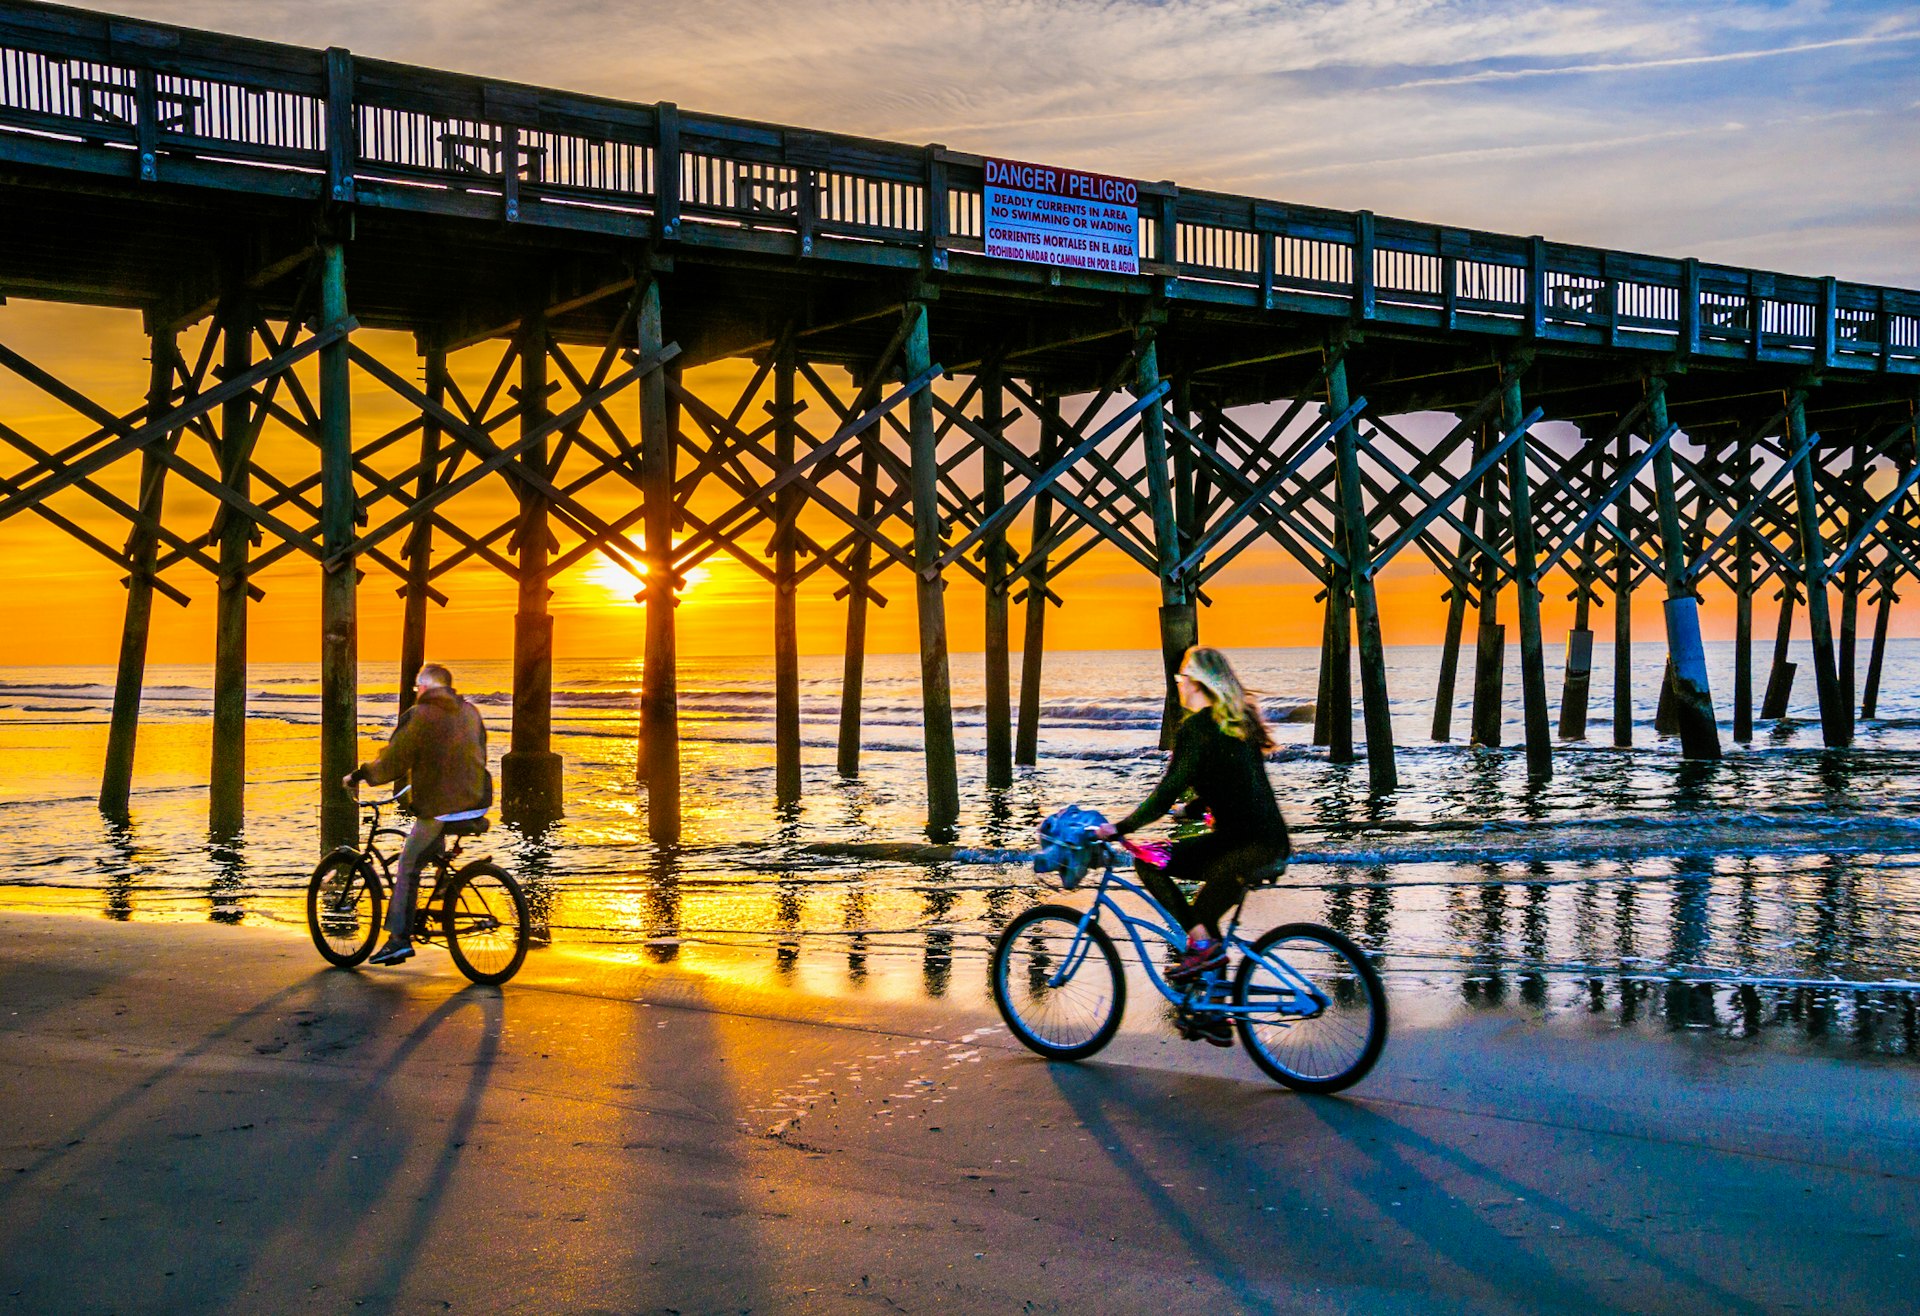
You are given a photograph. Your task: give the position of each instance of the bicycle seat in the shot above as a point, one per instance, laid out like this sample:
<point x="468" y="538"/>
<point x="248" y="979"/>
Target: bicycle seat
<point x="466" y="826"/>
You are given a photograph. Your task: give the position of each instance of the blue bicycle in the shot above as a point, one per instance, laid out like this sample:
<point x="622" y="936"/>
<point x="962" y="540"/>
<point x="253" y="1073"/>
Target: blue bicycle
<point x="1307" y="1005"/>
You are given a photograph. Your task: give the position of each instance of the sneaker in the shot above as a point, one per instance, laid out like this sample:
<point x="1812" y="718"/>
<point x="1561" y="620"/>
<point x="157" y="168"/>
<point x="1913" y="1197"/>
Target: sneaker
<point x="1216" y="1028"/>
<point x="393" y="952"/>
<point x="1202" y="956"/>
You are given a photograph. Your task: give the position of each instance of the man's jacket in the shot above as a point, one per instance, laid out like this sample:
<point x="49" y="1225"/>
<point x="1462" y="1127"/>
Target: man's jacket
<point x="442" y="745"/>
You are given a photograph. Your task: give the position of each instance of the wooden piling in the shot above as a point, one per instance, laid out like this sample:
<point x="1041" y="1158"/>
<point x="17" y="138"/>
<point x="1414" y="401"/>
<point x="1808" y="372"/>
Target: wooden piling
<point x="226" y="790"/>
<point x="1490" y="641"/>
<point x="1577" y="682"/>
<point x="1780" y="675"/>
<point x="854" y="656"/>
<point x="116" y="778"/>
<point x="1623" y="608"/>
<point x="997" y="677"/>
<point x="936" y="695"/>
<point x="1382" y="775"/>
<point x="1533" y="666"/>
<point x="786" y="620"/>
<point x="1847" y="664"/>
<point x="1033" y="646"/>
<point x="1876" y="657"/>
<point x="530" y="772"/>
<point x="1323" y="684"/>
<point x="1743" y="613"/>
<point x="1692" y="706"/>
<point x="1177" y="622"/>
<point x="419" y="550"/>
<point x="1576" y="685"/>
<point x="1336" y="693"/>
<point x="1457" y="593"/>
<point x="659" y="756"/>
<point x="1836" y="716"/>
<point x="1449" y="661"/>
<point x="339" y="638"/>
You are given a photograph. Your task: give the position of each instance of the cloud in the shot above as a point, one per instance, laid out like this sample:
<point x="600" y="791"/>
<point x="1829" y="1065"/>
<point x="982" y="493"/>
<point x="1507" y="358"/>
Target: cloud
<point x="1644" y="65"/>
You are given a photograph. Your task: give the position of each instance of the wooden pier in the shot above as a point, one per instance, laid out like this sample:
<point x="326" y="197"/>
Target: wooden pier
<point x="945" y="411"/>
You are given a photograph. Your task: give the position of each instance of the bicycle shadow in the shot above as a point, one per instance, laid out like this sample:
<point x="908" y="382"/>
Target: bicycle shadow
<point x="299" y="1150"/>
<point x="337" y="1209"/>
<point x="1480" y="1249"/>
<point x="79" y="1136"/>
<point x="1093" y="1092"/>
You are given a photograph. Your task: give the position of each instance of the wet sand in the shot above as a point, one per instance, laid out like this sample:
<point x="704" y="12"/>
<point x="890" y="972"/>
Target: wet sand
<point x="195" y="1118"/>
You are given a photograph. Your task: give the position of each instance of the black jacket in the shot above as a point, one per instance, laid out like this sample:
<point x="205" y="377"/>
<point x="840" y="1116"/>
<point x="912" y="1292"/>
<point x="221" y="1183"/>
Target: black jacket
<point x="1225" y="774"/>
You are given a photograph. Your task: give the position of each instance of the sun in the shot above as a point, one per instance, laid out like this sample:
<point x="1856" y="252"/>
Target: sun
<point x="618" y="586"/>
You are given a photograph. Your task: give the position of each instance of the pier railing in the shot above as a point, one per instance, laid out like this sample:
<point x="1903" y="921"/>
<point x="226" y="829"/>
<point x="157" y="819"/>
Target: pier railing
<point x="169" y="105"/>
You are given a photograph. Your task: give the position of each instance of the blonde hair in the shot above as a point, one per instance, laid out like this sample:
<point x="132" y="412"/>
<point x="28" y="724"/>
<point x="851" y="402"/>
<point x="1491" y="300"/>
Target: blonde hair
<point x="1233" y="709"/>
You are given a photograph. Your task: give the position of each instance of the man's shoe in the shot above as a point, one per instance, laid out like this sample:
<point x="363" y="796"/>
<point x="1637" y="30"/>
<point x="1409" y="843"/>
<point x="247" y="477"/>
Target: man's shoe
<point x="393" y="952"/>
<point x="1201" y="956"/>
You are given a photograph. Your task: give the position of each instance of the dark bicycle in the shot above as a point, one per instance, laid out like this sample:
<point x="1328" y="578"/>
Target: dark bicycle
<point x="477" y="907"/>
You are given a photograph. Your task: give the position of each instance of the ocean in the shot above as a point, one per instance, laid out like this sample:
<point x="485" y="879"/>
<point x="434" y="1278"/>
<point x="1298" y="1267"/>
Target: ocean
<point x="1773" y="895"/>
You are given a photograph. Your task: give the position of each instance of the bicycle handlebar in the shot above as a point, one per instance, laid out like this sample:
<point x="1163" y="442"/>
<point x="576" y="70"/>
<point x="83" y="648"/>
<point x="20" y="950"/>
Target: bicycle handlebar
<point x="390" y="799"/>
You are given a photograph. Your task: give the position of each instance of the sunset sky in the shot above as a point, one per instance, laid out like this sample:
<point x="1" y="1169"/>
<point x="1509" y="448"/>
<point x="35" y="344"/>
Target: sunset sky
<point x="1772" y="135"/>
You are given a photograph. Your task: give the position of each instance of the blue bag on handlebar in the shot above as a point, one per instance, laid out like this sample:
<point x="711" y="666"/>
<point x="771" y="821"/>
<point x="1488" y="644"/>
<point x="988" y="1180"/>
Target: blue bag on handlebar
<point x="1067" y="844"/>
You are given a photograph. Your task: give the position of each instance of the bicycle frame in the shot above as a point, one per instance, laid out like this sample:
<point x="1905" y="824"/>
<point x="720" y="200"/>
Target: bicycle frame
<point x="441" y="864"/>
<point x="1307" y="998"/>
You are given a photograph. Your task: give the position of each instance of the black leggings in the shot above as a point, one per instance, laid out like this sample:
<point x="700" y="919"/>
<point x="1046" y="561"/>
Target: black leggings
<point x="1221" y="864"/>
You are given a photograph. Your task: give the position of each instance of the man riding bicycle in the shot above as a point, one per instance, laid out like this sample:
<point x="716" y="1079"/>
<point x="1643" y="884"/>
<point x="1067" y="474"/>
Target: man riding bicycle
<point x="441" y="745"/>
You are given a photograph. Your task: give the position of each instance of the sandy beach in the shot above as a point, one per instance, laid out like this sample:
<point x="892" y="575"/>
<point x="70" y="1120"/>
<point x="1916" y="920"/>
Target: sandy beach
<point x="204" y="1118"/>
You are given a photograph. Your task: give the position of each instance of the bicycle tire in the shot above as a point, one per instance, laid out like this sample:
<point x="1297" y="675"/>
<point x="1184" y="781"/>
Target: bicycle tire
<point x="344" y="902"/>
<point x="484" y="917"/>
<point x="1334" y="1047"/>
<point x="1069" y="1021"/>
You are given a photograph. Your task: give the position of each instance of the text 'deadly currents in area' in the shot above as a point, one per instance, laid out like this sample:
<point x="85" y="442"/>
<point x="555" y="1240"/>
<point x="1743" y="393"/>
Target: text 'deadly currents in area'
<point x="1062" y="217"/>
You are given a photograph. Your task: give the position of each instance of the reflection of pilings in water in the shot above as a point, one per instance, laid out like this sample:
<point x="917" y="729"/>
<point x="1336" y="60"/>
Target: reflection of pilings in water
<point x="229" y="885"/>
<point x="1586" y="932"/>
<point x="789" y="899"/>
<point x="1491" y="985"/>
<point x="123" y="874"/>
<point x="662" y="904"/>
<point x="1626" y="940"/>
<point x="936" y="967"/>
<point x="1533" y="937"/>
<point x="1376" y="918"/>
<point x="1836" y="924"/>
<point x="1340" y="908"/>
<point x="1746" y="915"/>
<point x="1690" y="886"/>
<point x="533" y="870"/>
<point x="855" y="921"/>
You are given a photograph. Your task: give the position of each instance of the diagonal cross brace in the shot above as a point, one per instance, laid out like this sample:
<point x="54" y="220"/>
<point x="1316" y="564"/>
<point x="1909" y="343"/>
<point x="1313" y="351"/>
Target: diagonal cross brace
<point x="851" y="428"/>
<point x="1756" y="501"/>
<point x="725" y="530"/>
<point x="743" y="442"/>
<point x="1596" y="512"/>
<point x="1259" y="494"/>
<point x="133" y="439"/>
<point x="1039" y="481"/>
<point x="1699" y="480"/>
<point x="497" y="458"/>
<point x="1440" y="506"/>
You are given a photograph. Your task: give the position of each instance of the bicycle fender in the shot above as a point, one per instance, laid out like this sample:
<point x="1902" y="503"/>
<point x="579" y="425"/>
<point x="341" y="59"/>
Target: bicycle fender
<point x="339" y="852"/>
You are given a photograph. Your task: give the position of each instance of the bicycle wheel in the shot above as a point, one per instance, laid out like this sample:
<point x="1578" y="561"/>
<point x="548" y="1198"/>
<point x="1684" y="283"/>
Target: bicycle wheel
<point x="485" y="920"/>
<point x="344" y="900"/>
<point x="1311" y="1045"/>
<point x="1061" y="1020"/>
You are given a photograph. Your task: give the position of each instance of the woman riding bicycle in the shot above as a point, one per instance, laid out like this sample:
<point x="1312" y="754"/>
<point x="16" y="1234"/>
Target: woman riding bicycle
<point x="1217" y="756"/>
